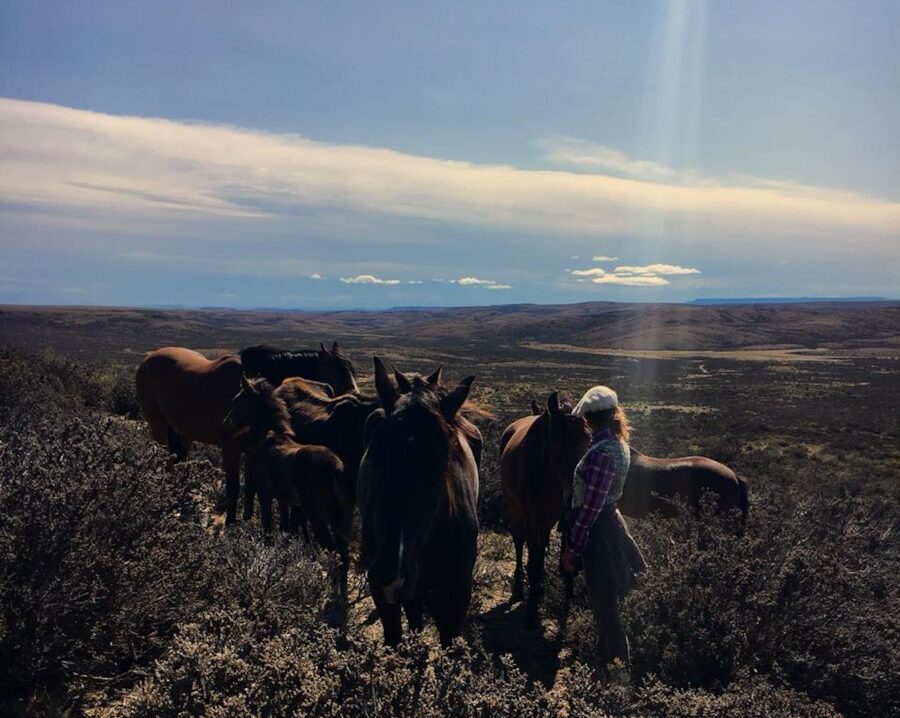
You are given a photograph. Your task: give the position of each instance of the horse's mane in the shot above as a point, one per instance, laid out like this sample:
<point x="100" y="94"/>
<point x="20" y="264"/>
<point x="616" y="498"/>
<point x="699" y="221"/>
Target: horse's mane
<point x="276" y="408"/>
<point x="310" y="404"/>
<point x="265" y="352"/>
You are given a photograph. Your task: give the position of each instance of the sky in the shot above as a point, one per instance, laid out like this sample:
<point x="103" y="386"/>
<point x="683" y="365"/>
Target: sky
<point x="342" y="154"/>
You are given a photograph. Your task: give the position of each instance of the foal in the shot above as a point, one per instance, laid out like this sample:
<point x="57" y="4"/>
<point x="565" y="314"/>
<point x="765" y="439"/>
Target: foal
<point x="305" y="476"/>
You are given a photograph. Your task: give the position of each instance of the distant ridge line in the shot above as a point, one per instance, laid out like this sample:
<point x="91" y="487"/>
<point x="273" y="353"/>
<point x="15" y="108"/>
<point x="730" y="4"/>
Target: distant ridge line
<point x="783" y="300"/>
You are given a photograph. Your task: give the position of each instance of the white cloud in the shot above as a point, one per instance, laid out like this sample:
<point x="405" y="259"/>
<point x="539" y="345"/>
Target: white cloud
<point x="647" y="275"/>
<point x="592" y="272"/>
<point x="368" y="279"/>
<point x="415" y="281"/>
<point x="476" y="282"/>
<point x="314" y="275"/>
<point x="122" y="171"/>
<point x="656" y="269"/>
<point x="604" y="258"/>
<point x="631" y="281"/>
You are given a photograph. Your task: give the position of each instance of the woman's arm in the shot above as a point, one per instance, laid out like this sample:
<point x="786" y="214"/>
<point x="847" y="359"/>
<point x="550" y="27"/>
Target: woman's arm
<point x="598" y="471"/>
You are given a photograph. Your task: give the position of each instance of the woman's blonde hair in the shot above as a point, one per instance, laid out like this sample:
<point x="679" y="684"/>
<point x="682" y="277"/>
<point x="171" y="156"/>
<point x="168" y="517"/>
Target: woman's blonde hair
<point x="613" y="419"/>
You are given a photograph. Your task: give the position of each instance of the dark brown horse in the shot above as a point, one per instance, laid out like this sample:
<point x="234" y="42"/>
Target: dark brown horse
<point x="418" y="490"/>
<point x="184" y="396"/>
<point x="538" y="456"/>
<point x="328" y="366"/>
<point x="306" y="477"/>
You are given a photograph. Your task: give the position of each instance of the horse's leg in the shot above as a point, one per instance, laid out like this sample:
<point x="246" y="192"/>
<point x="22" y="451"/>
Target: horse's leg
<point x="265" y="511"/>
<point x="537" y="548"/>
<point x="231" y="463"/>
<point x="249" y="487"/>
<point x="299" y="523"/>
<point x="519" y="574"/>
<point x="451" y="608"/>
<point x="284" y="516"/>
<point x="389" y="613"/>
<point x="414" y="613"/>
<point x="178" y="445"/>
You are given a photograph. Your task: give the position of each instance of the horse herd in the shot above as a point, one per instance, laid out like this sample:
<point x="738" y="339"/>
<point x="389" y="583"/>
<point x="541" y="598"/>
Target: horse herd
<point x="408" y="457"/>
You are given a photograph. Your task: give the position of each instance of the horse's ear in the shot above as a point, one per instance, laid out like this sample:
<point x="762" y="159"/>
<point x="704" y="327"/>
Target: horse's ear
<point x="553" y="403"/>
<point x="387" y="394"/>
<point x="322" y="348"/>
<point x="403" y="383"/>
<point x="535" y="409"/>
<point x="453" y="402"/>
<point x="335" y="349"/>
<point x="435" y="377"/>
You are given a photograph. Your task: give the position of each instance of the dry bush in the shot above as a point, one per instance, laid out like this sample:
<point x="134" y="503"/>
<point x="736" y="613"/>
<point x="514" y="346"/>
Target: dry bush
<point x="120" y="598"/>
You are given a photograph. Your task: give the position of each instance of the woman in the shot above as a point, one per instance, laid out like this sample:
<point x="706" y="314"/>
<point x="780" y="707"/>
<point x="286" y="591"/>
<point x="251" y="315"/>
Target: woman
<point x="596" y="532"/>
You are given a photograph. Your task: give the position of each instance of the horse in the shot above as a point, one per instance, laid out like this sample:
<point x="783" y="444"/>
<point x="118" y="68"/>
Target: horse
<point x="327" y="366"/>
<point x="184" y="397"/>
<point x="652" y="483"/>
<point x="338" y="423"/>
<point x="538" y="456"/>
<point x="418" y="490"/>
<point x="302" y="476"/>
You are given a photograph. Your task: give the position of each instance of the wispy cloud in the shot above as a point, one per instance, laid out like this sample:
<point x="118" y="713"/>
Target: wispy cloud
<point x="581" y="153"/>
<point x="646" y="275"/>
<point x="656" y="269"/>
<point x="602" y="258"/>
<point x="476" y="282"/>
<point x="368" y="279"/>
<point x="118" y="169"/>
<point x="315" y="275"/>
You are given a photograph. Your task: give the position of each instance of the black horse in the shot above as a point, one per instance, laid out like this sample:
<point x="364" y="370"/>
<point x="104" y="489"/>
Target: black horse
<point x="418" y="489"/>
<point x="329" y="366"/>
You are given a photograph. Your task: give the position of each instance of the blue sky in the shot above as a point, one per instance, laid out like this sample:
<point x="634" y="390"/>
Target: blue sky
<point x="337" y="154"/>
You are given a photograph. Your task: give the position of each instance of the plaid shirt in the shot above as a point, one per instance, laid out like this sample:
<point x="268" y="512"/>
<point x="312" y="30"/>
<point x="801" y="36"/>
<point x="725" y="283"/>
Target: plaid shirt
<point x="598" y="469"/>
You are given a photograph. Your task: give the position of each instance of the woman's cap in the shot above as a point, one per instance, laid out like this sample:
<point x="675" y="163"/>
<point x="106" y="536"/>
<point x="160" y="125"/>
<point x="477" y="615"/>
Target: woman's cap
<point x="597" y="398"/>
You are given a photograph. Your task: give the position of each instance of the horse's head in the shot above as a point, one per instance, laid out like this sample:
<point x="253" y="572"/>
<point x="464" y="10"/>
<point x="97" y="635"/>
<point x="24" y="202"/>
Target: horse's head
<point x="333" y="368"/>
<point x="409" y="457"/>
<point x="255" y="409"/>
<point x="568" y="437"/>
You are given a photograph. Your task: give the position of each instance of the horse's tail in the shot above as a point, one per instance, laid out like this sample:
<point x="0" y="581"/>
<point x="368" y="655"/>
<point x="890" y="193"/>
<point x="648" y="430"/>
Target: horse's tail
<point x="743" y="497"/>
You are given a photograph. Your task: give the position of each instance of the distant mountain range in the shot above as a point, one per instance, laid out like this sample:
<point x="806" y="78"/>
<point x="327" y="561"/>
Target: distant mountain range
<point x="781" y="300"/>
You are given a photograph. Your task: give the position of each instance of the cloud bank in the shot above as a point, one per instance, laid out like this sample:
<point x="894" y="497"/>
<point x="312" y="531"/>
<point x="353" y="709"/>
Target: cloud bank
<point x="122" y="169"/>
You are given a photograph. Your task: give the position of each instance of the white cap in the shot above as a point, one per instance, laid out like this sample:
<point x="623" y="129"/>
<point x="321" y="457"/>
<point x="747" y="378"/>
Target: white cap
<point x="597" y="398"/>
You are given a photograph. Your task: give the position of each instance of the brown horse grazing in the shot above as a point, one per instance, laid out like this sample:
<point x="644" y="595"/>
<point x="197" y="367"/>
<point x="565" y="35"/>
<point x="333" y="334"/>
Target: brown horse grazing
<point x="184" y="396"/>
<point x="538" y="457"/>
<point x="652" y="484"/>
<point x="304" y="476"/>
<point x="418" y="490"/>
<point x="327" y="366"/>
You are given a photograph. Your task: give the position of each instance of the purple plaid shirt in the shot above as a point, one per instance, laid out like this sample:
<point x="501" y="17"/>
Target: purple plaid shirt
<point x="598" y="470"/>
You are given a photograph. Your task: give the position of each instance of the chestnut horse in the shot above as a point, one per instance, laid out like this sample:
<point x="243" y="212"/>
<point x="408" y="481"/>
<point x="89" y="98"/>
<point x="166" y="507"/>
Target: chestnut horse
<point x="538" y="457"/>
<point x="184" y="397"/>
<point x="302" y="476"/>
<point x="418" y="490"/>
